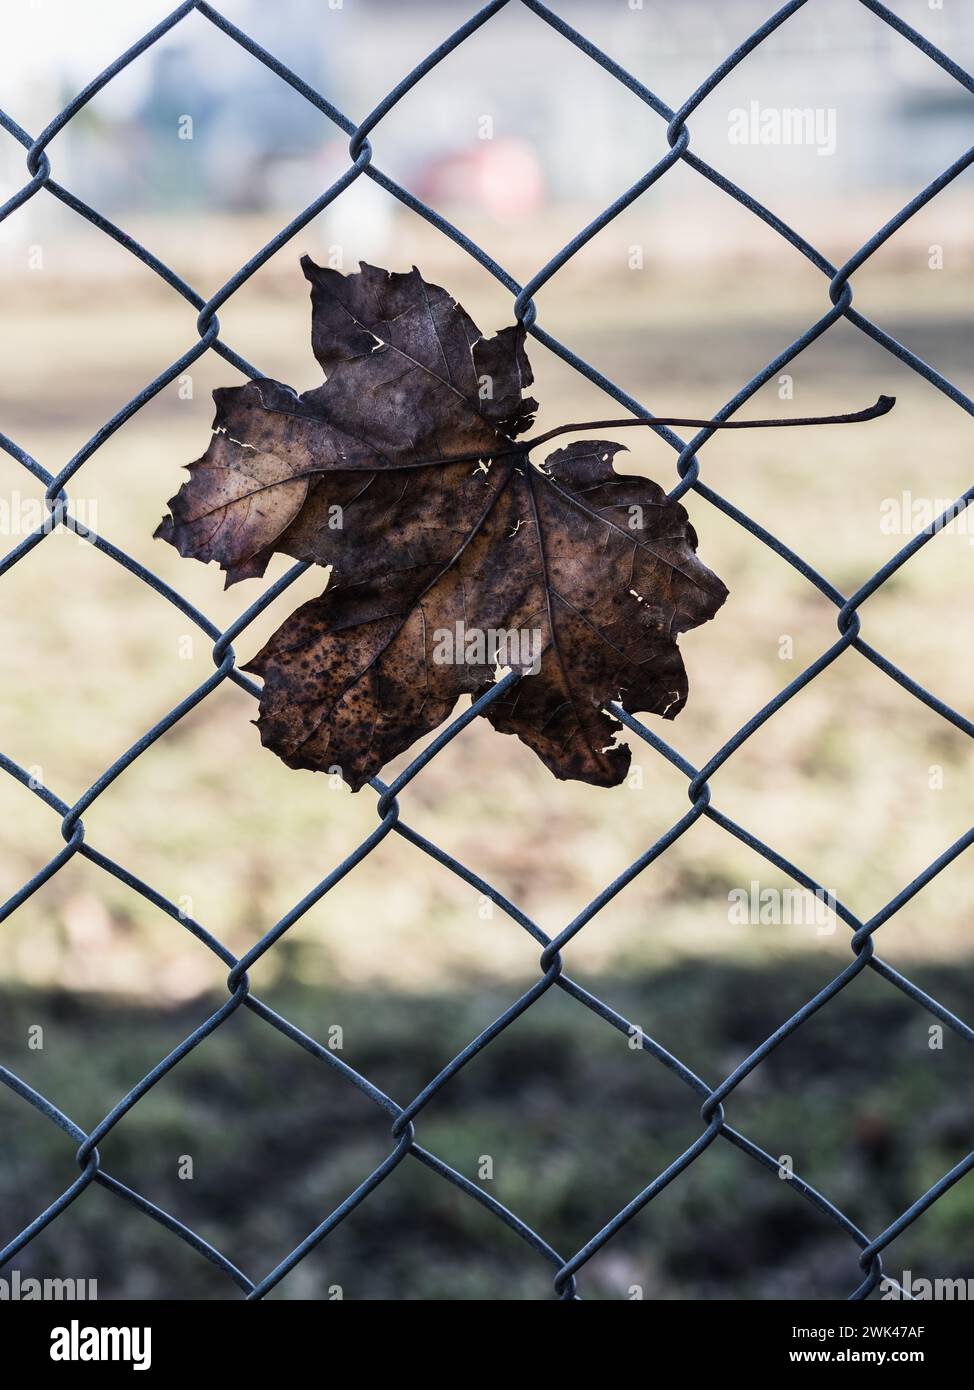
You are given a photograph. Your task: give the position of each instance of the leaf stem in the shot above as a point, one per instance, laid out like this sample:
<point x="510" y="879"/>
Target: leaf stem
<point x="881" y="407"/>
<point x="522" y="446"/>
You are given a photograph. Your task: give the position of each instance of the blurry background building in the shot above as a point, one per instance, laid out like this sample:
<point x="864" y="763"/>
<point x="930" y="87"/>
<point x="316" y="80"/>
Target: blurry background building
<point x="561" y="133"/>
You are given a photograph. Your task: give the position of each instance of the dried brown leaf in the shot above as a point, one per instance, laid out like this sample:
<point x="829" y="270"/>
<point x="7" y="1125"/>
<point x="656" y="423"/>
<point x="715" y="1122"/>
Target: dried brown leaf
<point x="452" y="553"/>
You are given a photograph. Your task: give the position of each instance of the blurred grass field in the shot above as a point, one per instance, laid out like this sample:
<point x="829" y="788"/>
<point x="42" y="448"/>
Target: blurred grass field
<point x="403" y="956"/>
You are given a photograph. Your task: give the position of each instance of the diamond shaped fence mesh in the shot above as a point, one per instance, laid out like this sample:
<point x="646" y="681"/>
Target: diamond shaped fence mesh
<point x="849" y="645"/>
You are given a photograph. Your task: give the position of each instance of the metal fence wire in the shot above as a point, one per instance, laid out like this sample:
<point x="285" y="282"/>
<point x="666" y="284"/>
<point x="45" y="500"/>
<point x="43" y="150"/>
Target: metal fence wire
<point x="404" y="1141"/>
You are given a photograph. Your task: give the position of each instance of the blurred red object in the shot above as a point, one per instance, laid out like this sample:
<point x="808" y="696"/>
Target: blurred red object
<point x="501" y="177"/>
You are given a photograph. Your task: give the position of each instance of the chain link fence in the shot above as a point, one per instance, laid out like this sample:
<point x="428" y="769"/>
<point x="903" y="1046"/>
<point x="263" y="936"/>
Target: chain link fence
<point x="866" y="1275"/>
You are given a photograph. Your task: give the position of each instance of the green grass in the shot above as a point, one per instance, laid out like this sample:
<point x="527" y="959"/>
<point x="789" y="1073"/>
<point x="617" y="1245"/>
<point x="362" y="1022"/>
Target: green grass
<point x="575" y="1121"/>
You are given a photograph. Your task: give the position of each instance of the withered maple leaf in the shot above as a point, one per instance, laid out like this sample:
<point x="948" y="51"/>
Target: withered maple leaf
<point x="452" y="554"/>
